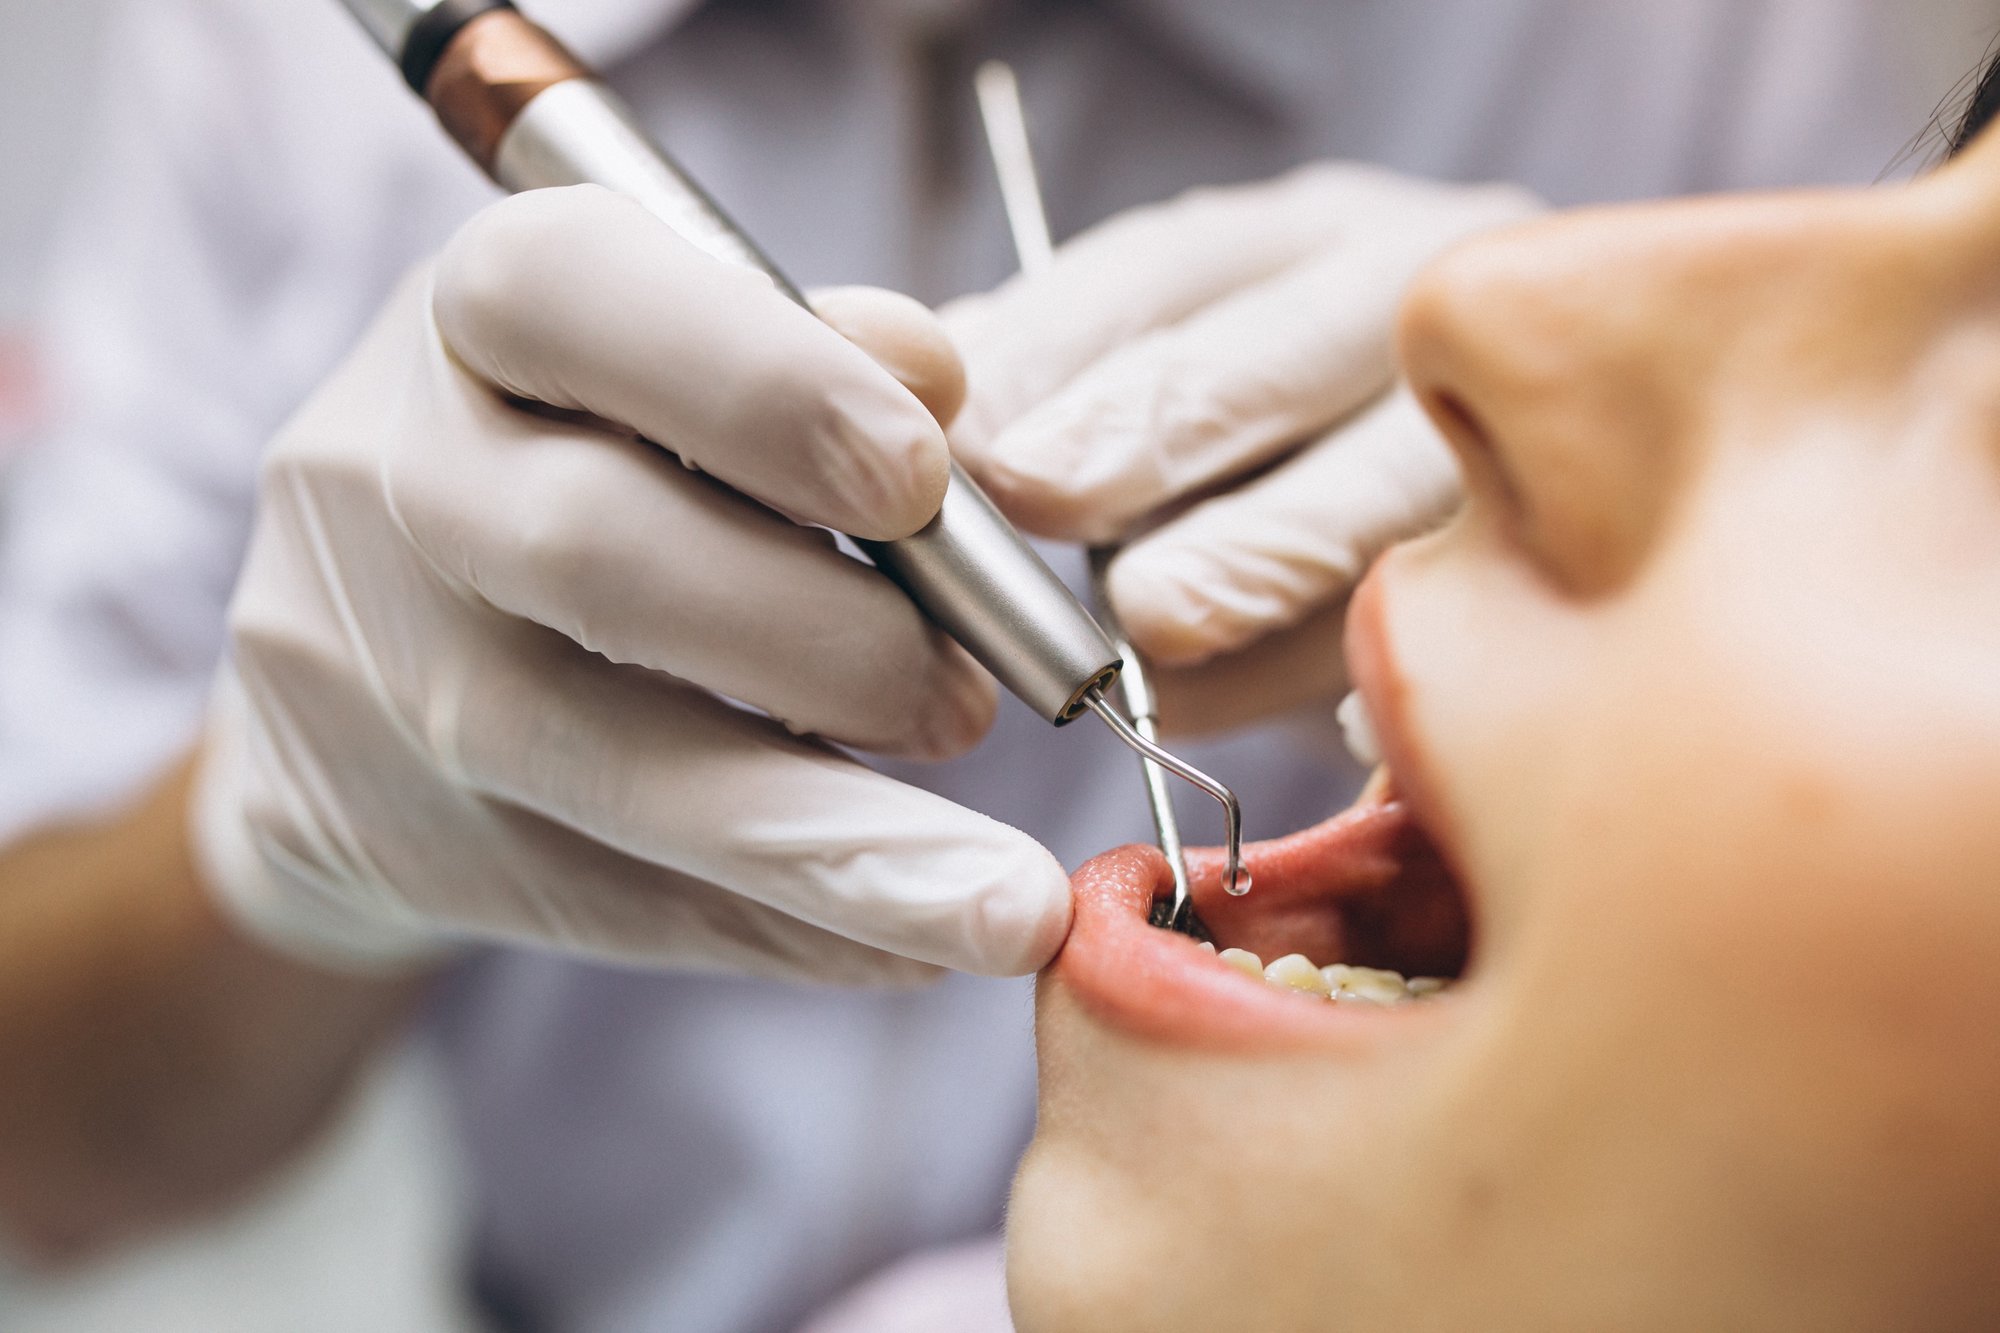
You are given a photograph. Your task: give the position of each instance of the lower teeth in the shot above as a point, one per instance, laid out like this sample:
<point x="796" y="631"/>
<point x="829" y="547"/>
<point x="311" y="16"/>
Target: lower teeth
<point x="1342" y="983"/>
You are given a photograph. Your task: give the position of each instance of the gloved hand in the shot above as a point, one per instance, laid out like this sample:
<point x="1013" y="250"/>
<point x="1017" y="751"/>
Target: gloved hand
<point x="1212" y="380"/>
<point x="478" y="645"/>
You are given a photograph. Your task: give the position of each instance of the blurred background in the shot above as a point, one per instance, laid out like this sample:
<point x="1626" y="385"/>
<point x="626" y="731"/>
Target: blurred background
<point x="47" y="64"/>
<point x="299" y="1234"/>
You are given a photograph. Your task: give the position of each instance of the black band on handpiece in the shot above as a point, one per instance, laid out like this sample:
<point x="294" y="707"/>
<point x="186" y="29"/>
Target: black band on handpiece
<point x="432" y="33"/>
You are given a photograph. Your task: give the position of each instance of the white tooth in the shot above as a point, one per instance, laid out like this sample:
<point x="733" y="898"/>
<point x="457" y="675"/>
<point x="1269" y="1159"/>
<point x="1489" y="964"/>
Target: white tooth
<point x="1377" y="984"/>
<point x="1207" y="947"/>
<point x="1297" y="972"/>
<point x="1375" y="791"/>
<point x="1249" y="964"/>
<point x="1359" y="730"/>
<point x="1427" y="985"/>
<point x="1374" y="985"/>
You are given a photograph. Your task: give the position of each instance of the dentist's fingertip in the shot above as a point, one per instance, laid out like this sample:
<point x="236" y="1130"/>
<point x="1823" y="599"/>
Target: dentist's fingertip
<point x="902" y="336"/>
<point x="1027" y="500"/>
<point x="1044" y="500"/>
<point x="1022" y="916"/>
<point x="1165" y="600"/>
<point x="886" y="463"/>
<point x="1078" y="467"/>
<point x="898" y="462"/>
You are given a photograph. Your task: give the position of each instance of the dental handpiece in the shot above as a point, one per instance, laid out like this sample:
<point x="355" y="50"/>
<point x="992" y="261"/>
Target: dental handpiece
<point x="532" y="116"/>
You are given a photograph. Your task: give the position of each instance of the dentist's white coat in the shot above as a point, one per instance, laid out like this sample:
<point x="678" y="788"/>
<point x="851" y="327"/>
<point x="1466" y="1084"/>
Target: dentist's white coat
<point x="695" y="1155"/>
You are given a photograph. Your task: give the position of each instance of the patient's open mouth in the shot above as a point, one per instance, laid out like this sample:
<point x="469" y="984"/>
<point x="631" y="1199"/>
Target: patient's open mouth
<point x="1368" y="889"/>
<point x="1354" y="923"/>
<point x="1358" y="915"/>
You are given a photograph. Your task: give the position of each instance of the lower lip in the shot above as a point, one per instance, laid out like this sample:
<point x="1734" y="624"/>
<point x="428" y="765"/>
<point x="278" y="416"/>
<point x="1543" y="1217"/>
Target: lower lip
<point x="1163" y="986"/>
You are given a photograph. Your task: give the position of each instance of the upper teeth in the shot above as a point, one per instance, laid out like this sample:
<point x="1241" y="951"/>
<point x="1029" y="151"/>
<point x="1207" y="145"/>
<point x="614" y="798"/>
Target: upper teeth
<point x="1341" y="981"/>
<point x="1359" y="730"/>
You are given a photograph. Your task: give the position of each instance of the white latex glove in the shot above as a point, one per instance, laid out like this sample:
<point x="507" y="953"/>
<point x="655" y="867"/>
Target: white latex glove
<point x="1213" y="379"/>
<point x="477" y="648"/>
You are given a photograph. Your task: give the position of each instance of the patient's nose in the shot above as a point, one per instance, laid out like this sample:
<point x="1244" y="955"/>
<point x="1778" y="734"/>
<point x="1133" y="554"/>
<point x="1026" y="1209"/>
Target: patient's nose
<point x="1556" y="359"/>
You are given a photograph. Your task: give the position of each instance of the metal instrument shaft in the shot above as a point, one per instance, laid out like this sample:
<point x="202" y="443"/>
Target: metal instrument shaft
<point x="1001" y="111"/>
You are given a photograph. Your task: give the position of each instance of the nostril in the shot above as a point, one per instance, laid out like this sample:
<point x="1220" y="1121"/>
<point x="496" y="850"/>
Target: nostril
<point x="1484" y="466"/>
<point x="1457" y="421"/>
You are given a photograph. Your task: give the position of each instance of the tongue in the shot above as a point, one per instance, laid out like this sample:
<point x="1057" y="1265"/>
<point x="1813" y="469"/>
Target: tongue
<point x="1365" y="887"/>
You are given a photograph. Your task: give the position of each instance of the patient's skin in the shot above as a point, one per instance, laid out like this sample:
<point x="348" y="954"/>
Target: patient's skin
<point x="1701" y="695"/>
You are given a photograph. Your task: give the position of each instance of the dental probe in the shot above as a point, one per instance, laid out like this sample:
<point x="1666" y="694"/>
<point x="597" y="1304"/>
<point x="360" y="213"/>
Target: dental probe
<point x="1006" y="122"/>
<point x="1135" y="690"/>
<point x="532" y="116"/>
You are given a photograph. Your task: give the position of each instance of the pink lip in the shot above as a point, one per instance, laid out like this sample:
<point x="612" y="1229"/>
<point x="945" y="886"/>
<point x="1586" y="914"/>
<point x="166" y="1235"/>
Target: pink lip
<point x="1160" y="985"/>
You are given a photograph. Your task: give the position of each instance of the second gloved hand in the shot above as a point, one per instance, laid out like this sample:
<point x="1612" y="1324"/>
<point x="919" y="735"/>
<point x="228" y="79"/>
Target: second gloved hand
<point x="484" y="642"/>
<point x="1212" y="382"/>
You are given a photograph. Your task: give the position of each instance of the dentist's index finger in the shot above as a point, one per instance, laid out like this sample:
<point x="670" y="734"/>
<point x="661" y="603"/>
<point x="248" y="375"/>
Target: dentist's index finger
<point x="1141" y="270"/>
<point x="1225" y="387"/>
<point x="1188" y="405"/>
<point x="619" y="549"/>
<point x="903" y="337"/>
<point x="1267" y="555"/>
<point x="580" y="299"/>
<point x="627" y="909"/>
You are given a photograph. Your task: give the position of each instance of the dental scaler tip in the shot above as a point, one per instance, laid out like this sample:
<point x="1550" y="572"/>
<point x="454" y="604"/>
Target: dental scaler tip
<point x="1235" y="878"/>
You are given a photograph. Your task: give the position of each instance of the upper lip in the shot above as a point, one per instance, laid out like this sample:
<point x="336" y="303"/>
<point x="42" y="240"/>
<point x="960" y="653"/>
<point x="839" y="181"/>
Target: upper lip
<point x="1385" y="691"/>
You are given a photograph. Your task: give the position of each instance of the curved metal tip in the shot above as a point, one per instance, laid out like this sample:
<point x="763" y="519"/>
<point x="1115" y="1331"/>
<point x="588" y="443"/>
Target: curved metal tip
<point x="1236" y="880"/>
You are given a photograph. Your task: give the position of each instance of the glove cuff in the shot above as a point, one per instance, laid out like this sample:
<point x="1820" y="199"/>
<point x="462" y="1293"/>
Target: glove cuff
<point x="246" y="874"/>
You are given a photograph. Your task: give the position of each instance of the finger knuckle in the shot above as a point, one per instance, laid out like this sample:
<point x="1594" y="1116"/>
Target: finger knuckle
<point x="1036" y="502"/>
<point x="874" y="453"/>
<point x="555" y="539"/>
<point x="495" y="272"/>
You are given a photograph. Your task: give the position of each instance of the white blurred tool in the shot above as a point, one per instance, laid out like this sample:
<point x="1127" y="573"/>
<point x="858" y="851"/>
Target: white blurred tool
<point x="1000" y="109"/>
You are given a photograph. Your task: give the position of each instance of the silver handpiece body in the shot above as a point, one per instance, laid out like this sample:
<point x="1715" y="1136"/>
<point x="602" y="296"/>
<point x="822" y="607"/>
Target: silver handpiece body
<point x="969" y="569"/>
